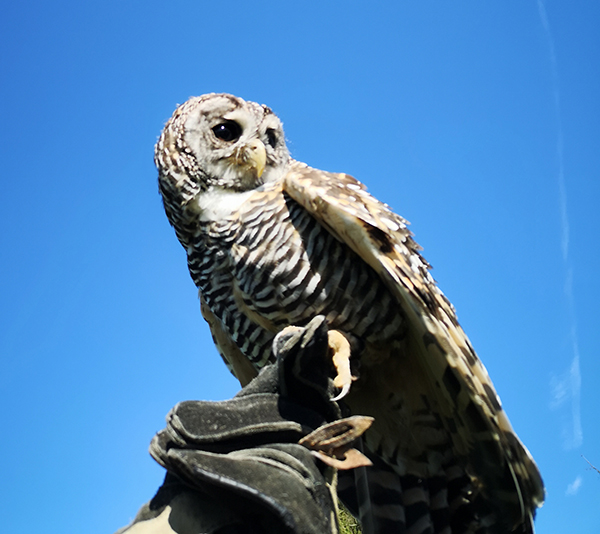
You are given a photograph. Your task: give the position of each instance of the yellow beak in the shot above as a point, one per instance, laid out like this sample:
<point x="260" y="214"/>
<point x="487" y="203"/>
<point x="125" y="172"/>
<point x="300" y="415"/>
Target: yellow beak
<point x="253" y="156"/>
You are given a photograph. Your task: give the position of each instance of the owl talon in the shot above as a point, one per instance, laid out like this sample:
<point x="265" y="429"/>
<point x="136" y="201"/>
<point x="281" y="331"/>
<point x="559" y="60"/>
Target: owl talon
<point x="340" y="346"/>
<point x="341" y="394"/>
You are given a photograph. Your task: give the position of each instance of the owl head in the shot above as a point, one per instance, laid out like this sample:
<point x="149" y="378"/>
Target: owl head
<point x="220" y="142"/>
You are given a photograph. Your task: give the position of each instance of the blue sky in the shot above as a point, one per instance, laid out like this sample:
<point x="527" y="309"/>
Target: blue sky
<point x="476" y="120"/>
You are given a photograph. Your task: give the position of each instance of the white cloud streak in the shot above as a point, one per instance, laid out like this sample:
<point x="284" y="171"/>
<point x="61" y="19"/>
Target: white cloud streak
<point x="566" y="389"/>
<point x="574" y="486"/>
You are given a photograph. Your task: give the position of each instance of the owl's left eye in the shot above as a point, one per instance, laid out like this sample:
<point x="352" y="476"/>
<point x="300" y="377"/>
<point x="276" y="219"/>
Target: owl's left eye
<point x="228" y="131"/>
<point x="272" y="137"/>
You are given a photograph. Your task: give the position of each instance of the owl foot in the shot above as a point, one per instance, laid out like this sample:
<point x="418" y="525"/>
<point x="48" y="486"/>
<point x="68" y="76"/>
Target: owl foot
<point x="340" y="346"/>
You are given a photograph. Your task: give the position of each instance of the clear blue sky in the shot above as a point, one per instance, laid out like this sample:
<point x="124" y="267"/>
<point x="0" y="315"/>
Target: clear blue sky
<point x="476" y="120"/>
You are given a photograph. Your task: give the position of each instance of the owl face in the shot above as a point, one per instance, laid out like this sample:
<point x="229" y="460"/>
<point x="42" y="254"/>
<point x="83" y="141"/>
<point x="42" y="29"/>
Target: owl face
<point x="236" y="145"/>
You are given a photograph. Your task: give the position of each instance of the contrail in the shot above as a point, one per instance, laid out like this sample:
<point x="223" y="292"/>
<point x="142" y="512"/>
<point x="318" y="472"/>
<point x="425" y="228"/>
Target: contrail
<point x="566" y="388"/>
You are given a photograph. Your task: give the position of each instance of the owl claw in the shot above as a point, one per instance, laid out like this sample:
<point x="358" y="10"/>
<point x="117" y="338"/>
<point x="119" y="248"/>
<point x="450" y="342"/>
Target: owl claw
<point x="341" y="360"/>
<point x="341" y="394"/>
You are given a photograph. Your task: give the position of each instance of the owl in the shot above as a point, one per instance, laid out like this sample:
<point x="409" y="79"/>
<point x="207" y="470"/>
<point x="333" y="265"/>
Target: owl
<point x="272" y="242"/>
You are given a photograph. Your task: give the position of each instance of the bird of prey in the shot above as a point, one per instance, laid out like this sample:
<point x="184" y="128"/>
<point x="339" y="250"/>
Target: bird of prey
<point x="272" y="242"/>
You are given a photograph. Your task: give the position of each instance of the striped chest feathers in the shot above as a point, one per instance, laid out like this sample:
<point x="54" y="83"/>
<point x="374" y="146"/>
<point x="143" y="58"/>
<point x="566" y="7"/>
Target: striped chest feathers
<point x="262" y="255"/>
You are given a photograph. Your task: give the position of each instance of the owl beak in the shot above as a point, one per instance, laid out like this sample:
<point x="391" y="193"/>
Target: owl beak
<point x="253" y="156"/>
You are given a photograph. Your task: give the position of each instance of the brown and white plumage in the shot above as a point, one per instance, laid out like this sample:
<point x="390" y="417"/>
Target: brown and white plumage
<point x="272" y="242"/>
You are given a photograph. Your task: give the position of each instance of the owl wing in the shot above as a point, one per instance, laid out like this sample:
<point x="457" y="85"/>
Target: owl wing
<point x="481" y="432"/>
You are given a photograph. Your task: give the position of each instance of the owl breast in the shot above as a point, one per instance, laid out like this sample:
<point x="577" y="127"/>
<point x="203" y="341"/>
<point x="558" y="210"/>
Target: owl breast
<point x="271" y="264"/>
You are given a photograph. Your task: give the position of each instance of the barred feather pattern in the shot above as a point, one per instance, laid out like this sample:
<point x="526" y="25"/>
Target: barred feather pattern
<point x="272" y="262"/>
<point x="304" y="242"/>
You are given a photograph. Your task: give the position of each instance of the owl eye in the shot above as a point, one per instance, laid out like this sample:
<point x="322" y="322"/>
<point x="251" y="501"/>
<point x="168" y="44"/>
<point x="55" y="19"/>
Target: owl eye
<point x="272" y="137"/>
<point x="228" y="131"/>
